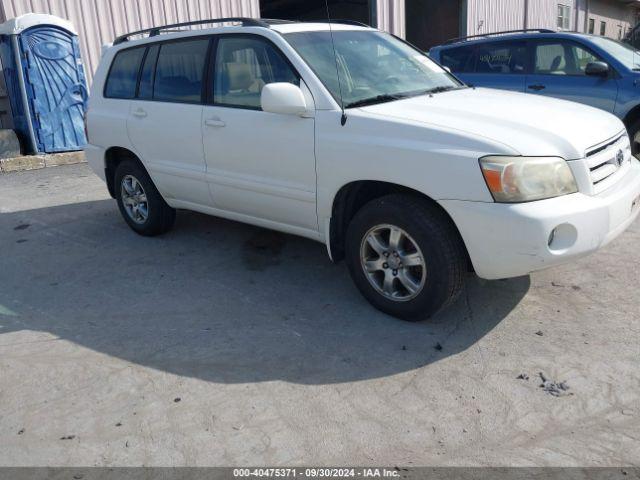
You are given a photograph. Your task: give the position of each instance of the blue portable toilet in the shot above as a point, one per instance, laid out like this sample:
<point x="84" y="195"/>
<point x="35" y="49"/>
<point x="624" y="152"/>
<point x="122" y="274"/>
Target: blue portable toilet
<point x="45" y="81"/>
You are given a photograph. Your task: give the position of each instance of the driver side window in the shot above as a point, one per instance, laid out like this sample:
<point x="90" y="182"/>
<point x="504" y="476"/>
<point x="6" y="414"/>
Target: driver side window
<point x="243" y="66"/>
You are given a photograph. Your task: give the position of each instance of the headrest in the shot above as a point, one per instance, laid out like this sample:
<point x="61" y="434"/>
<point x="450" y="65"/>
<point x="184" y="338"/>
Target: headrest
<point x="239" y="75"/>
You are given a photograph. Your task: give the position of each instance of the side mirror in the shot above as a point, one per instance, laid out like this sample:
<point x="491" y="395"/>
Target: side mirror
<point x="284" y="98"/>
<point x="447" y="69"/>
<point x="597" y="69"/>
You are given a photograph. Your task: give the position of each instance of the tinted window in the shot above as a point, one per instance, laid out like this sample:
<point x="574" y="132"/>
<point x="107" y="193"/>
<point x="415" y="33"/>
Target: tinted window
<point x="459" y="60"/>
<point x="179" y="71"/>
<point x="243" y="67"/>
<point x="123" y="75"/>
<point x="145" y="90"/>
<point x="501" y="58"/>
<point x="562" y="58"/>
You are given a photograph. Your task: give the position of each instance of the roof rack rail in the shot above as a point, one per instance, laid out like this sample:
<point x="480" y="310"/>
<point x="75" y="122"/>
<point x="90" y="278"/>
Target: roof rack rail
<point x="154" y="31"/>
<point x="350" y="22"/>
<point x="527" y="30"/>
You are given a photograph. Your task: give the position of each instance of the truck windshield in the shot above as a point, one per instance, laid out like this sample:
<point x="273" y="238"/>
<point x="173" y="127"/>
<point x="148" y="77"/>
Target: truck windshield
<point x="625" y="54"/>
<point x="373" y="67"/>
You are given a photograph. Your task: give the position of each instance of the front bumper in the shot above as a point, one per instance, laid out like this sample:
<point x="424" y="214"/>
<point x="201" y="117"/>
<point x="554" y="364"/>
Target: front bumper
<point x="510" y="240"/>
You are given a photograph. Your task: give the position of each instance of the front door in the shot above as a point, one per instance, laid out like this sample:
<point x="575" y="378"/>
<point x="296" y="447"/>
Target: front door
<point x="260" y="165"/>
<point x="165" y="118"/>
<point x="559" y="71"/>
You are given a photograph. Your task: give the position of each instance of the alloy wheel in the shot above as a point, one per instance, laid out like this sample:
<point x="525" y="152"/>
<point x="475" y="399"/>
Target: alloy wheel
<point x="393" y="263"/>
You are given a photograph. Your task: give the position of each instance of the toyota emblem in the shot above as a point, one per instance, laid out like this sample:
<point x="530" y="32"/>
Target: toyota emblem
<point x="620" y="157"/>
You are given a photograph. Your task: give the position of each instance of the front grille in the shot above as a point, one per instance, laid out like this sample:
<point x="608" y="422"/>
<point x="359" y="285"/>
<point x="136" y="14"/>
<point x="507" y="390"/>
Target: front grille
<point x="605" y="160"/>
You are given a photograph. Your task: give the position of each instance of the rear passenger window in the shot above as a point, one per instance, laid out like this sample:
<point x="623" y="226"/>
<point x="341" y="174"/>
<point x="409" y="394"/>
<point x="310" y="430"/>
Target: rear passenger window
<point x="179" y="71"/>
<point x="504" y="58"/>
<point x="123" y="75"/>
<point x="459" y="60"/>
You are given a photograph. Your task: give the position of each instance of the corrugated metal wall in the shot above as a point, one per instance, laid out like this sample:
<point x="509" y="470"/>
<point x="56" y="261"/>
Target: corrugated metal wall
<point x="486" y="16"/>
<point x="391" y="16"/>
<point x="100" y="21"/>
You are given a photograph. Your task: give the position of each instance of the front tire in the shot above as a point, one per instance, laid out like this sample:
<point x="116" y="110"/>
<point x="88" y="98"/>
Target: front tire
<point x="634" y="131"/>
<point x="405" y="256"/>
<point x="139" y="201"/>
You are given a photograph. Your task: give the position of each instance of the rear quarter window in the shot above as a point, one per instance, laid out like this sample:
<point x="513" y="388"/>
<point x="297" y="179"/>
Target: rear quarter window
<point x="123" y="74"/>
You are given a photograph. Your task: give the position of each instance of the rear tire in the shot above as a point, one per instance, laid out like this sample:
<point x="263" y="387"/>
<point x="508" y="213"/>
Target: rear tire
<point x="423" y="273"/>
<point x="139" y="201"/>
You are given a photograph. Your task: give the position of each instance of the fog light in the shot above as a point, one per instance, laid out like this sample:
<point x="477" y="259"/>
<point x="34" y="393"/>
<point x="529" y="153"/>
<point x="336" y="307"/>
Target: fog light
<point x="562" y="238"/>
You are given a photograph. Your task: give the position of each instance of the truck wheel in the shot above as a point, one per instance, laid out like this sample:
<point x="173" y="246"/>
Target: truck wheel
<point x="405" y="256"/>
<point x="140" y="203"/>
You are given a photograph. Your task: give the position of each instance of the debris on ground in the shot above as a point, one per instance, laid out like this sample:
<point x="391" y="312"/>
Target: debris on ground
<point x="119" y="424"/>
<point x="438" y="347"/>
<point x="68" y="437"/>
<point x="21" y="431"/>
<point x="522" y="376"/>
<point x="557" y="389"/>
<point x="540" y="333"/>
<point x="177" y="399"/>
<point x="404" y="347"/>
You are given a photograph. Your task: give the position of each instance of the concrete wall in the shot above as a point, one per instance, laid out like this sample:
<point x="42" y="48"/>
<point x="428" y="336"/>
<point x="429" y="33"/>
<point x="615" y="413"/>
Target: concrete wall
<point x="100" y="21"/>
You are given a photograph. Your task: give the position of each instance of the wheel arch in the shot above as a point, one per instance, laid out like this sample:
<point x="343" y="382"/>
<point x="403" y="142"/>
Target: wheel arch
<point x="112" y="158"/>
<point x="351" y="197"/>
<point x="632" y="116"/>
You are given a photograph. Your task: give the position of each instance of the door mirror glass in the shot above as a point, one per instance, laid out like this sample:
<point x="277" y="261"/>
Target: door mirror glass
<point x="598" y="69"/>
<point x="284" y="98"/>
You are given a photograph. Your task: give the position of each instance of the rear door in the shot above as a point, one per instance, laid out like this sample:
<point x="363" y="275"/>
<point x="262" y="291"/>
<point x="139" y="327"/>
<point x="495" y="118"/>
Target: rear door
<point x="500" y="65"/>
<point x="164" y="122"/>
<point x="558" y="70"/>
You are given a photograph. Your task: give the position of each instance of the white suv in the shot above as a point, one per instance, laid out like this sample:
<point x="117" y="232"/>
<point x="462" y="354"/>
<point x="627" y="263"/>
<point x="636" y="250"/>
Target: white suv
<point x="418" y="180"/>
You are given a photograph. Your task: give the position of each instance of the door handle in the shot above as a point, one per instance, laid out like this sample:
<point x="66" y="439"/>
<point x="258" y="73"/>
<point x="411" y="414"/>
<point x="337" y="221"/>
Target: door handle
<point x="140" y="113"/>
<point x="537" y="88"/>
<point x="214" y="122"/>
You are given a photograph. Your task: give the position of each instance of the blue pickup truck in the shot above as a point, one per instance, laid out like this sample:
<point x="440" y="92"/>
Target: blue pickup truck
<point x="579" y="67"/>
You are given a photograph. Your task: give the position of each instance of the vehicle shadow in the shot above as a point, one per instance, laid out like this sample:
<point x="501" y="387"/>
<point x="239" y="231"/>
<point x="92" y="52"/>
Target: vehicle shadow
<point x="217" y="300"/>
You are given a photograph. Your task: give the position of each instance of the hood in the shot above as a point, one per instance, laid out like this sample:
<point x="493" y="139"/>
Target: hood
<point x="529" y="124"/>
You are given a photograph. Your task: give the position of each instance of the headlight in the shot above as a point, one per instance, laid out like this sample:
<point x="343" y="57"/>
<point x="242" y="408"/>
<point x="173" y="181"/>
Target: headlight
<point x="523" y="179"/>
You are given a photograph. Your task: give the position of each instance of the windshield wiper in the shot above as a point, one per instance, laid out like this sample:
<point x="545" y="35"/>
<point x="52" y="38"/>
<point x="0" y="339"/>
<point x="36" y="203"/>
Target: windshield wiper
<point x="398" y="96"/>
<point x="373" y="100"/>
<point x="442" y="89"/>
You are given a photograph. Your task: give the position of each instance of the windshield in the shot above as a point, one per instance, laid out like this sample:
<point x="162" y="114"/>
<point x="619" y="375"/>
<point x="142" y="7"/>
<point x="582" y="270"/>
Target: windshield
<point x="374" y="67"/>
<point x="625" y="54"/>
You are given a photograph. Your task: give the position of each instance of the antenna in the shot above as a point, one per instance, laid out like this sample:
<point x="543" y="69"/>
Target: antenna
<point x="343" y="119"/>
